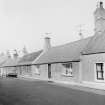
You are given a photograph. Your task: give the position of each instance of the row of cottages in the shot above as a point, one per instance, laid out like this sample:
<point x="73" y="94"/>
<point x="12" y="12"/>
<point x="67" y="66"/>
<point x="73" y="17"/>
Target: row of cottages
<point x="9" y="65"/>
<point x="24" y="65"/>
<point x="79" y="61"/>
<point x="21" y="66"/>
<point x="3" y="59"/>
<point x="61" y="63"/>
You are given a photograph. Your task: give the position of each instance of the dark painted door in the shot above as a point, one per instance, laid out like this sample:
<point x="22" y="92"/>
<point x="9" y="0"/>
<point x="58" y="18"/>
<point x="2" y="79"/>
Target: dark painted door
<point x="49" y="71"/>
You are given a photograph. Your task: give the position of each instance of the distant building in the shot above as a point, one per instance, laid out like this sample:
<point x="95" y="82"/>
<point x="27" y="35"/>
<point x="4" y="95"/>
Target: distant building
<point x="3" y="59"/>
<point x="9" y="65"/>
<point x="24" y="50"/>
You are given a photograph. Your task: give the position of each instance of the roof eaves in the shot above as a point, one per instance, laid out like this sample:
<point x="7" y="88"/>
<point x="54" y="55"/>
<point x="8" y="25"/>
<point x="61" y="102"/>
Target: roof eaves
<point x="92" y="53"/>
<point x="56" y="62"/>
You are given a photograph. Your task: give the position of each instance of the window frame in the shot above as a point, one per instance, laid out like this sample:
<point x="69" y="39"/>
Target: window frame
<point x="66" y="70"/>
<point x="96" y="72"/>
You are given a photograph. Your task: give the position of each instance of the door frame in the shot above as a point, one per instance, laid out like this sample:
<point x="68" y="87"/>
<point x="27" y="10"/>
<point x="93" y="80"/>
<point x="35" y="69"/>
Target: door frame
<point x="49" y="71"/>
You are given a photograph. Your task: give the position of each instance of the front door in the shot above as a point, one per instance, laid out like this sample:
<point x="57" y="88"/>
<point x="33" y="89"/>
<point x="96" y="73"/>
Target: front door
<point x="49" y="71"/>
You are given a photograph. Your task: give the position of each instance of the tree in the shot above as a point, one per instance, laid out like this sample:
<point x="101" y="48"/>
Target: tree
<point x="8" y="54"/>
<point x="24" y="51"/>
<point x="15" y="53"/>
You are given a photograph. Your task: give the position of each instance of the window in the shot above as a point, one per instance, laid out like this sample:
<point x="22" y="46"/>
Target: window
<point x="99" y="71"/>
<point x="67" y="69"/>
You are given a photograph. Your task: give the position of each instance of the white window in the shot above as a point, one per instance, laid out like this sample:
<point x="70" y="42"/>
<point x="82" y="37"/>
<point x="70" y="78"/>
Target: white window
<point x="67" y="71"/>
<point x="100" y="71"/>
<point x="37" y="69"/>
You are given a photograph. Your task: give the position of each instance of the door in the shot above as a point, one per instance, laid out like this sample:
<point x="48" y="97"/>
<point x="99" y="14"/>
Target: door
<point x="49" y="71"/>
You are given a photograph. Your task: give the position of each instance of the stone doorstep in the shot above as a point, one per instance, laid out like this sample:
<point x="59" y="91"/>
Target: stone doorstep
<point x="96" y="88"/>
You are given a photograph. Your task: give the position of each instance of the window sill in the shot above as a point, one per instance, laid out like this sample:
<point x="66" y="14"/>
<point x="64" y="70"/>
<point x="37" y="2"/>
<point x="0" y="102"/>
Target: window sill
<point x="67" y="75"/>
<point x="37" y="73"/>
<point x="99" y="81"/>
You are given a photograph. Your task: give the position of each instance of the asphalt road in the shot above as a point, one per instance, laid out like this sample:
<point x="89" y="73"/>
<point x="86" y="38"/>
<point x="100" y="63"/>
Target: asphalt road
<point x="23" y="92"/>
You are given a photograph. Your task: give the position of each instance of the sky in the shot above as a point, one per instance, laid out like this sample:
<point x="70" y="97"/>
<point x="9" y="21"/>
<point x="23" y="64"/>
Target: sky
<point x="25" y="22"/>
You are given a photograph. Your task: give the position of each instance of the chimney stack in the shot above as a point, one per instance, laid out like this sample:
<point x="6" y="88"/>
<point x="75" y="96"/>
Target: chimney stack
<point x="47" y="44"/>
<point x="15" y="55"/>
<point x="101" y="4"/>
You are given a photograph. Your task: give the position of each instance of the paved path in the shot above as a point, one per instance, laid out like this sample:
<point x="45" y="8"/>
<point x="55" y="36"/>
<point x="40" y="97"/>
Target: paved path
<point x="23" y="92"/>
<point x="82" y="88"/>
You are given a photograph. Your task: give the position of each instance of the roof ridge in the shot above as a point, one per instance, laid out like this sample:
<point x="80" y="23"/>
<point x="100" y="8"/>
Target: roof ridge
<point x="29" y="57"/>
<point x="32" y="53"/>
<point x="72" y="42"/>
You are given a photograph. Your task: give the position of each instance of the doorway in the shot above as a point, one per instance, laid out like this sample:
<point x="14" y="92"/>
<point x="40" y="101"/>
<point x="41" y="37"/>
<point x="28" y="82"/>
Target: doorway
<point x="49" y="71"/>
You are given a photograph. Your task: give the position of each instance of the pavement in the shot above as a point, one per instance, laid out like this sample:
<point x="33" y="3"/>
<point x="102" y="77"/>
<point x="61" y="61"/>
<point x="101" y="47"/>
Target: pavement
<point x="76" y="86"/>
<point x="98" y="88"/>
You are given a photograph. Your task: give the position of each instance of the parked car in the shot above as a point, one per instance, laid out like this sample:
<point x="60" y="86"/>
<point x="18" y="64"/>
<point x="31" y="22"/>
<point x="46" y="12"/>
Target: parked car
<point x="12" y="75"/>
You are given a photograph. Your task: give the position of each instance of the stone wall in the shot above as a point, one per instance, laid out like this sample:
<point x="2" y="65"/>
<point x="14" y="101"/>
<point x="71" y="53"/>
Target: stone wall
<point x="88" y="66"/>
<point x="57" y="71"/>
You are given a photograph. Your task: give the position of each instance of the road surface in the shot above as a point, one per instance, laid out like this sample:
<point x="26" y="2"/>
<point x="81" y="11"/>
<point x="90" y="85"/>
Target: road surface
<point x="26" y="92"/>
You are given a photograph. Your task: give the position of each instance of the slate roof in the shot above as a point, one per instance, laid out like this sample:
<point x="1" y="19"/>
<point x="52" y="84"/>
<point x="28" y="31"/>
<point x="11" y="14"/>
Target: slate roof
<point x="10" y="62"/>
<point x="63" y="53"/>
<point x="96" y="44"/>
<point x="29" y="58"/>
<point x="3" y="60"/>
